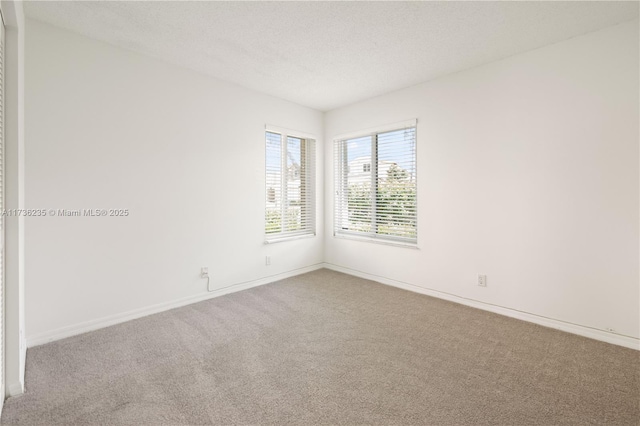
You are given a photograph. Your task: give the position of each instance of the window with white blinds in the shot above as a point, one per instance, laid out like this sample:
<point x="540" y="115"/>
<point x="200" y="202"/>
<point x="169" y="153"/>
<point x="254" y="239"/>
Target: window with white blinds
<point x="290" y="174"/>
<point x="375" y="185"/>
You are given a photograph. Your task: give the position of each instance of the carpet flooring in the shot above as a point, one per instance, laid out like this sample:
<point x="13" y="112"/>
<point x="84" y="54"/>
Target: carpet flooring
<point x="328" y="348"/>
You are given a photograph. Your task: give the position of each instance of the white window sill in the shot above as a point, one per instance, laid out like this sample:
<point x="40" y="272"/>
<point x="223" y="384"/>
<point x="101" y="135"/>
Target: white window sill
<point x="376" y="240"/>
<point x="289" y="238"/>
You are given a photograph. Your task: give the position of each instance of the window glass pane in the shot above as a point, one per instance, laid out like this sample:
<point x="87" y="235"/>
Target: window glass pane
<point x="294" y="184"/>
<point x="396" y="184"/>
<point x="358" y="185"/>
<point x="273" y="213"/>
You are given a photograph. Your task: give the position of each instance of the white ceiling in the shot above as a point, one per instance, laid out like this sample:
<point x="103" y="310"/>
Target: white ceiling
<point x="329" y="54"/>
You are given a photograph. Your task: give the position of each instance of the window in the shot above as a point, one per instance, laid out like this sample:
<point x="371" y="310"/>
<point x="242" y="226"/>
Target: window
<point x="375" y="185"/>
<point x="290" y="201"/>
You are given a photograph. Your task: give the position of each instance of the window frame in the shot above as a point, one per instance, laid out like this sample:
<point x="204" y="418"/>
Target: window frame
<point x="309" y="201"/>
<point x="341" y="171"/>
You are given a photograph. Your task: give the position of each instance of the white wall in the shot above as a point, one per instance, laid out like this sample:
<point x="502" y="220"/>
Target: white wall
<point x="14" y="164"/>
<point x="183" y="152"/>
<point x="527" y="172"/>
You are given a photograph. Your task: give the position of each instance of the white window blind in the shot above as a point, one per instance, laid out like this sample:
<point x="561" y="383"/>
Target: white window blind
<point x="290" y="200"/>
<point x="375" y="185"/>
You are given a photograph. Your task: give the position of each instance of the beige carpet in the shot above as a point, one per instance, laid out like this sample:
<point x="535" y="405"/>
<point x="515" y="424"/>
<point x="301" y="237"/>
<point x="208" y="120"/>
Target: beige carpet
<point x="327" y="348"/>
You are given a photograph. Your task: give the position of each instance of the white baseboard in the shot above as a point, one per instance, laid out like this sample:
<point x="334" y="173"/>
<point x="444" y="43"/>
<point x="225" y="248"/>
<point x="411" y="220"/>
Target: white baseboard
<point x="63" y="332"/>
<point x="593" y="333"/>
<point x="15" y="389"/>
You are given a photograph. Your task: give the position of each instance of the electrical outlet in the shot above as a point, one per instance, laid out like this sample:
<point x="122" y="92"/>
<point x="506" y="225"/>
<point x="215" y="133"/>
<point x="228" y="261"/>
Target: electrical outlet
<point x="482" y="280"/>
<point x="204" y="272"/>
<point x="267" y="260"/>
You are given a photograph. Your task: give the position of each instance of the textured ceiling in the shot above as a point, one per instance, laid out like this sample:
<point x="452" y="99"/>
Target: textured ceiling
<point x="328" y="54"/>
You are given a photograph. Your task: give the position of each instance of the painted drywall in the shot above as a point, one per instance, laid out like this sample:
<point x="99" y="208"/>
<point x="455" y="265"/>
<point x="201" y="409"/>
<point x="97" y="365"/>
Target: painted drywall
<point x="183" y="152"/>
<point x="14" y="175"/>
<point x="528" y="173"/>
